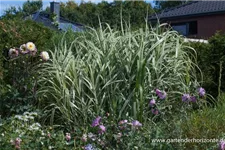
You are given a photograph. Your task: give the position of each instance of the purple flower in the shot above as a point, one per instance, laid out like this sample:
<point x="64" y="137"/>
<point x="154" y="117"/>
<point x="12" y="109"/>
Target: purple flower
<point x="193" y="99"/>
<point x="152" y="102"/>
<point x="201" y="91"/>
<point x="186" y="98"/>
<point x="102" y="129"/>
<point x="136" y="123"/>
<point x="89" y="147"/>
<point x="96" y="121"/>
<point x="222" y="145"/>
<point x="160" y="94"/>
<point x="155" y="111"/>
<point x="122" y="122"/>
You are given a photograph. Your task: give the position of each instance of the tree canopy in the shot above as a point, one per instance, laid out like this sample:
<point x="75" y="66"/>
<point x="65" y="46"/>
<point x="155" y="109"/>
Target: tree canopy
<point x="165" y="4"/>
<point x="133" y="12"/>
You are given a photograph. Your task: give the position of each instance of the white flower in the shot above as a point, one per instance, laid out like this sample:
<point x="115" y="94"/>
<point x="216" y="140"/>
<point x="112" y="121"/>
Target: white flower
<point x="13" y="52"/>
<point x="23" y="49"/>
<point x="30" y="46"/>
<point x="44" y="55"/>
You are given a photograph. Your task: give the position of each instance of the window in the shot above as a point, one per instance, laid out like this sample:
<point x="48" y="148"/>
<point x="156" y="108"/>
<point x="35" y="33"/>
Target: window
<point x="187" y="28"/>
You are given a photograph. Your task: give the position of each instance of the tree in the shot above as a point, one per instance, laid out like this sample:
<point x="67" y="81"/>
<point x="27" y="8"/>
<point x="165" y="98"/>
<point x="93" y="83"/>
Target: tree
<point x="165" y="4"/>
<point x="133" y="12"/>
<point x="30" y="7"/>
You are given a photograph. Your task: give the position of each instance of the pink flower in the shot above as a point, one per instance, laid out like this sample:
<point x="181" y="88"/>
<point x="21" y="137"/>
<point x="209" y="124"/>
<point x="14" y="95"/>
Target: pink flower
<point x="96" y="122"/>
<point x="160" y="94"/>
<point x="201" y="91"/>
<point x="193" y="99"/>
<point x="122" y="122"/>
<point x="16" y="143"/>
<point x="186" y="97"/>
<point x="68" y="137"/>
<point x="102" y="129"/>
<point x="136" y="123"/>
<point x="155" y="111"/>
<point x="152" y="102"/>
<point x="222" y="145"/>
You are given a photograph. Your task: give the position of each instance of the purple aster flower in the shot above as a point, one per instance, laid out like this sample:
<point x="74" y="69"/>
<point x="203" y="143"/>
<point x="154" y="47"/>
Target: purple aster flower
<point x="186" y="97"/>
<point x="152" y="102"/>
<point x="201" y="91"/>
<point x="136" y="123"/>
<point x="96" y="121"/>
<point x="193" y="99"/>
<point x="102" y="129"/>
<point x="89" y="147"/>
<point x="155" y="111"/>
<point x="222" y="145"/>
<point x="160" y="94"/>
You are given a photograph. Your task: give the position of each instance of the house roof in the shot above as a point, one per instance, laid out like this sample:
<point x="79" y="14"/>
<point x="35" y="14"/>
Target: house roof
<point x="64" y="24"/>
<point x="195" y="8"/>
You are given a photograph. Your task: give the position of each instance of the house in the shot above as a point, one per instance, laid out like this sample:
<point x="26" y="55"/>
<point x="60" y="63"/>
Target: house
<point x="196" y="19"/>
<point x="58" y="22"/>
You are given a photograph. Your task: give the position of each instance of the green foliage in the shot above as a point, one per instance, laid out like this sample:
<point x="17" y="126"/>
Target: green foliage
<point x="32" y="6"/>
<point x="14" y="32"/>
<point x="89" y="13"/>
<point x="205" y="124"/>
<point x="19" y="93"/>
<point x="12" y="12"/>
<point x="166" y="4"/>
<point x="30" y="133"/>
<point x="211" y="61"/>
<point x="117" y="72"/>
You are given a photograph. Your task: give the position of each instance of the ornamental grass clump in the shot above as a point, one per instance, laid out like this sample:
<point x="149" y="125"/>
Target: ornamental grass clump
<point x="107" y="70"/>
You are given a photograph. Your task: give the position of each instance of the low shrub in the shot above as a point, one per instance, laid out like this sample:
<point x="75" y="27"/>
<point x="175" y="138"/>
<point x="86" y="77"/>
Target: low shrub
<point x="205" y="124"/>
<point x="15" y="31"/>
<point x="210" y="59"/>
<point x="18" y="93"/>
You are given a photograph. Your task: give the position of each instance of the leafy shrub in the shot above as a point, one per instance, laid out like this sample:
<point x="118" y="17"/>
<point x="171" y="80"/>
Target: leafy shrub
<point x="23" y="132"/>
<point x="205" y="124"/>
<point x="211" y="62"/>
<point x="15" y="31"/>
<point x="117" y="72"/>
<point x="19" y="94"/>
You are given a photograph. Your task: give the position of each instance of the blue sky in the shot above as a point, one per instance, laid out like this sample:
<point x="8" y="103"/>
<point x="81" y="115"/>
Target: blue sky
<point x="4" y="4"/>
